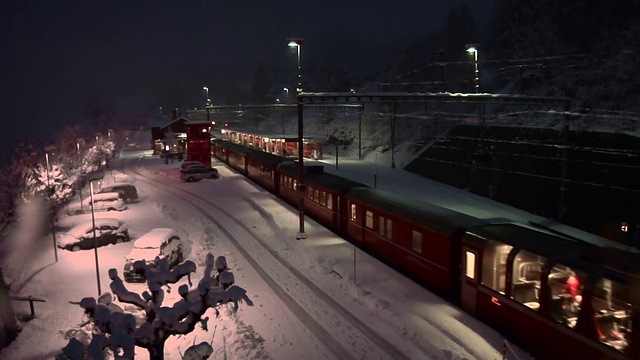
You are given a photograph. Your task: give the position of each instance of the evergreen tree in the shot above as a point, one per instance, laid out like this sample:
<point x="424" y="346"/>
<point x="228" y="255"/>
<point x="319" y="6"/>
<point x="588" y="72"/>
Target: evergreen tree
<point x="524" y="29"/>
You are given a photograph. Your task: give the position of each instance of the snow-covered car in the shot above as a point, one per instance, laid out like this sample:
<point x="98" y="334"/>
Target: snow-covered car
<point x="190" y="163"/>
<point x="107" y="231"/>
<point x="195" y="173"/>
<point x="128" y="192"/>
<point x="163" y="243"/>
<point x="101" y="202"/>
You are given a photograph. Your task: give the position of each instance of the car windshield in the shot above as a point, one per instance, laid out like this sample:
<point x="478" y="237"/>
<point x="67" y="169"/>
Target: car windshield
<point x="147" y="247"/>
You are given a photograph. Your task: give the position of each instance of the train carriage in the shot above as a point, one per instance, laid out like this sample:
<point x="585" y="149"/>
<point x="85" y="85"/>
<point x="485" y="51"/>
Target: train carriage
<point x="418" y="238"/>
<point x="263" y="169"/>
<point x="549" y="292"/>
<point x="324" y="193"/>
<point x="219" y="149"/>
<point x="232" y="154"/>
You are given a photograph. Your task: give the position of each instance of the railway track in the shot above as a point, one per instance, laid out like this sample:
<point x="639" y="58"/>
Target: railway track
<point x="346" y="336"/>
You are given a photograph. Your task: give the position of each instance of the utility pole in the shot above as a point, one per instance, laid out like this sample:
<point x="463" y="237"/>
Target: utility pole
<point x="360" y="132"/>
<point x="302" y="190"/>
<point x="393" y="135"/>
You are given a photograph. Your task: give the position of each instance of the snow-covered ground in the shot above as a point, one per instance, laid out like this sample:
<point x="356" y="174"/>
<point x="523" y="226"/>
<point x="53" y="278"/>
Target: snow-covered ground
<point x="407" y="315"/>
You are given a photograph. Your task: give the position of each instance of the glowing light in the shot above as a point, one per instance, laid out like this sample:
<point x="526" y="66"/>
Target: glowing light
<point x="495" y="301"/>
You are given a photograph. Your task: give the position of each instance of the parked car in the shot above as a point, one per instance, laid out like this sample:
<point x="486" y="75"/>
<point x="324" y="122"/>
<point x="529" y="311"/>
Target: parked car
<point x="107" y="231"/>
<point x="196" y="173"/>
<point x="163" y="243"/>
<point x="190" y="163"/>
<point x="101" y="202"/>
<point x="128" y="192"/>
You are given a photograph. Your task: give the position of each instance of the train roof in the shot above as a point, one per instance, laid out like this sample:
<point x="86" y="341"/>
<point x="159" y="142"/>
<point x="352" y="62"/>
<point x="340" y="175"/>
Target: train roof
<point x="263" y="133"/>
<point x="269" y="159"/>
<point x="233" y="147"/>
<point x="315" y="176"/>
<point x="416" y="211"/>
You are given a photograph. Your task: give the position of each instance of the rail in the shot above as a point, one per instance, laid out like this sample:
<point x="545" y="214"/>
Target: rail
<point x="508" y="350"/>
<point x="30" y="299"/>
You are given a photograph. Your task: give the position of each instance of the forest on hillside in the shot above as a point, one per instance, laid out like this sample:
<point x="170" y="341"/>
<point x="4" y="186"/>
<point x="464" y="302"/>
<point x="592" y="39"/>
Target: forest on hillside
<point x="587" y="50"/>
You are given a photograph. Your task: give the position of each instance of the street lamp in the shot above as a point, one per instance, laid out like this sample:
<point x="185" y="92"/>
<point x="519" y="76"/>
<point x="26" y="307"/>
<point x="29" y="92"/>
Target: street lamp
<point x="473" y="50"/>
<point x="53" y="225"/>
<point x="286" y="90"/>
<point x="208" y="102"/>
<point x="297" y="43"/>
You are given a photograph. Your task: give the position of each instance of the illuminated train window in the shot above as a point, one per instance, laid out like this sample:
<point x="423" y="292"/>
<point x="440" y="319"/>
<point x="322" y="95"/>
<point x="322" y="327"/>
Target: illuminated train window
<point x="470" y="270"/>
<point x="353" y="212"/>
<point x="369" y="219"/>
<point x="612" y="304"/>
<point x="494" y="265"/>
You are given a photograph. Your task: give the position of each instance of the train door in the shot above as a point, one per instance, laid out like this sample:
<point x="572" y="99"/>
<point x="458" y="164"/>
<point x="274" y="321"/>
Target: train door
<point x="469" y="278"/>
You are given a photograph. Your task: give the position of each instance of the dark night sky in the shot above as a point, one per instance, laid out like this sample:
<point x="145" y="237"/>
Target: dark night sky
<point x="57" y="54"/>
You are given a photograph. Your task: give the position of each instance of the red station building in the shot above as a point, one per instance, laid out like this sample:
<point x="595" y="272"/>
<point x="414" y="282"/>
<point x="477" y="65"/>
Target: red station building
<point x="199" y="142"/>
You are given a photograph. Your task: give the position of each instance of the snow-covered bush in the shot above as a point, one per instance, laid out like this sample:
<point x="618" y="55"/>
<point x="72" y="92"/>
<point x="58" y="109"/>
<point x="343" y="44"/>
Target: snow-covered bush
<point x="153" y="322"/>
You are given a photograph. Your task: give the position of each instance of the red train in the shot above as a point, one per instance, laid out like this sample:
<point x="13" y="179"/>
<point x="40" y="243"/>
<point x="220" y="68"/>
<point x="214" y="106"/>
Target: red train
<point x="554" y="294"/>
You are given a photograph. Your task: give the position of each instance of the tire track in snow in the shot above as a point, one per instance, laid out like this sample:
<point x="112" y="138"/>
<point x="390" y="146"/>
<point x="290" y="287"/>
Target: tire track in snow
<point x="314" y="326"/>
<point x="336" y="345"/>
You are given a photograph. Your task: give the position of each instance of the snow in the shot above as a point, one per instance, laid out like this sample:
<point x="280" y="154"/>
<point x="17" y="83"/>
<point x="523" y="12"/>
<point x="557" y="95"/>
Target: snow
<point x="271" y="322"/>
<point x="155" y="238"/>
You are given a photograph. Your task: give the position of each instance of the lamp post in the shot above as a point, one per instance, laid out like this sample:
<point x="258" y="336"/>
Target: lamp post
<point x="297" y="43"/>
<point x="302" y="190"/>
<point x="207" y="103"/>
<point x="95" y="241"/>
<point x="53" y="225"/>
<point x="206" y="90"/>
<point x="473" y="51"/>
<point x="286" y="90"/>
